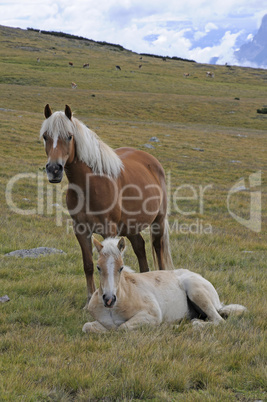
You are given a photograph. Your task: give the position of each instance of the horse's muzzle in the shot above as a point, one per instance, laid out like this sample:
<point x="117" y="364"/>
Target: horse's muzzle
<point x="109" y="301"/>
<point x="54" y="172"/>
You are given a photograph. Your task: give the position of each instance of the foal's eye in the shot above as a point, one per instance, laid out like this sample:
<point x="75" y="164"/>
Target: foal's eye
<point x="98" y="267"/>
<point x="45" y="137"/>
<point x="121" y="268"/>
<point x="70" y="137"/>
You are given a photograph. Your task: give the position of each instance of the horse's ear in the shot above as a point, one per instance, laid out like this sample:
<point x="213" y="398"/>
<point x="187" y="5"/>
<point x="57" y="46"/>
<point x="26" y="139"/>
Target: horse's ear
<point x="47" y="111"/>
<point x="121" y="244"/>
<point x="68" y="112"/>
<point x="97" y="244"/>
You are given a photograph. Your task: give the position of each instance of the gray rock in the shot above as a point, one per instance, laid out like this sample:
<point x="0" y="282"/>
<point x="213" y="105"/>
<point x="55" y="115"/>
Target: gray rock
<point x="4" y="299"/>
<point x="34" y="252"/>
<point x="198" y="149"/>
<point x="154" y="139"/>
<point x="149" y="146"/>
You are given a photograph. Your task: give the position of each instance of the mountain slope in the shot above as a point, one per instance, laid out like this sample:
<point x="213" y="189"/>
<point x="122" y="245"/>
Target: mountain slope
<point x="256" y="50"/>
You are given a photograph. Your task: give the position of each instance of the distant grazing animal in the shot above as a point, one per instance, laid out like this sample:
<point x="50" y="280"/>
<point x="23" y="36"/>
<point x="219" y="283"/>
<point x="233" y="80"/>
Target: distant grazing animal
<point x="209" y="74"/>
<point x="186" y="74"/>
<point x="126" y="300"/>
<point x="70" y="64"/>
<point x="141" y="58"/>
<point x="111" y="192"/>
<point x="118" y="68"/>
<point x="38" y="60"/>
<point x="140" y="66"/>
<point x="86" y="65"/>
<point x="73" y="85"/>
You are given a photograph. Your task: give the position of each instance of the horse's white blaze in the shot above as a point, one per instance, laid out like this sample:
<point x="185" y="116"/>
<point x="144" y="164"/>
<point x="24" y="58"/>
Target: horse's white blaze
<point x="55" y="142"/>
<point x="110" y="270"/>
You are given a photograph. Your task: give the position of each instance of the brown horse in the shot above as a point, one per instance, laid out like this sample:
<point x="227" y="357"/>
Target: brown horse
<point x="110" y="192"/>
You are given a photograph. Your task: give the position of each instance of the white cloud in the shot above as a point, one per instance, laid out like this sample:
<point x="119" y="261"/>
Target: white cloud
<point x="210" y="26"/>
<point x="199" y="35"/>
<point x="224" y="51"/>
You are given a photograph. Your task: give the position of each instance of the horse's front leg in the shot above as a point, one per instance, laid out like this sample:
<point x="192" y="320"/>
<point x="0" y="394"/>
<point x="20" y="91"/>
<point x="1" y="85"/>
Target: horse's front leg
<point x="142" y="318"/>
<point x="86" y="247"/>
<point x="94" y="326"/>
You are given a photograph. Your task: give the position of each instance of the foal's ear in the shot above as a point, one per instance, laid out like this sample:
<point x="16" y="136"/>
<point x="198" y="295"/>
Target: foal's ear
<point x="97" y="244"/>
<point x="68" y="112"/>
<point x="47" y="111"/>
<point x="121" y="244"/>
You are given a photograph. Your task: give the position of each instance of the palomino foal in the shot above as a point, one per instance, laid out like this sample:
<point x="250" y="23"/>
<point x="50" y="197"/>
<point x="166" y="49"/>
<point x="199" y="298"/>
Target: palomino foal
<point x="126" y="299"/>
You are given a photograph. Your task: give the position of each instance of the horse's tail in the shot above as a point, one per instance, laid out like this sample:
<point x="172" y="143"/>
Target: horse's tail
<point x="236" y="309"/>
<point x="154" y="255"/>
<point x="167" y="257"/>
<point x="165" y="244"/>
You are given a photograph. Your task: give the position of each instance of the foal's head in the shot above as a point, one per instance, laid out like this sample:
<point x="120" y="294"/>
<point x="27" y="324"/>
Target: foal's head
<point x="57" y="133"/>
<point x="110" y="266"/>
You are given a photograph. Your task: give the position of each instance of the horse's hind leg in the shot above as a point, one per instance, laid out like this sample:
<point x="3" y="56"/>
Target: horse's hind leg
<point x="204" y="297"/>
<point x="138" y="245"/>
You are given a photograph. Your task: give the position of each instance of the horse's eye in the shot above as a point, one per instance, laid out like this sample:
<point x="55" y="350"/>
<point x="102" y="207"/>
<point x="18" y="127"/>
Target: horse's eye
<point x="98" y="267"/>
<point x="120" y="269"/>
<point x="45" y="137"/>
<point x="70" y="138"/>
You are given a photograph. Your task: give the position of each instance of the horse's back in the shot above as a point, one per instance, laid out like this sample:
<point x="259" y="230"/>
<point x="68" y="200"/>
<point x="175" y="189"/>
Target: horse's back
<point x="136" y="159"/>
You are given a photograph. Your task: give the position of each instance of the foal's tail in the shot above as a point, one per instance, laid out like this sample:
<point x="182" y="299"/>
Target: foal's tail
<point x="230" y="309"/>
<point x="165" y="247"/>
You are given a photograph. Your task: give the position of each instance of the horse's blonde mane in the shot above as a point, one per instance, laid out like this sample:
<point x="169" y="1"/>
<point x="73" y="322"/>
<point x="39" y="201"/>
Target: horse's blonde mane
<point x="90" y="148"/>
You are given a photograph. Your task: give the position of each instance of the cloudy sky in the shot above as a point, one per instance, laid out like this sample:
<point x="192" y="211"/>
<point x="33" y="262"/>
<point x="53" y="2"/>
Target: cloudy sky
<point x="192" y="29"/>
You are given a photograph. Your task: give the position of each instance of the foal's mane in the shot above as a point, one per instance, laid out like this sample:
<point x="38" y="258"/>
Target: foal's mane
<point x="90" y="149"/>
<point x="110" y="246"/>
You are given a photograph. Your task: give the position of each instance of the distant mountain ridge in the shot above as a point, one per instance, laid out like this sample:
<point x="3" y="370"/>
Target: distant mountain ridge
<point x="256" y="50"/>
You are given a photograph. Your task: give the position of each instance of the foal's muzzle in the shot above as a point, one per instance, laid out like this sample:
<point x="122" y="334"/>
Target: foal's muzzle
<point x="54" y="172"/>
<point x="109" y="301"/>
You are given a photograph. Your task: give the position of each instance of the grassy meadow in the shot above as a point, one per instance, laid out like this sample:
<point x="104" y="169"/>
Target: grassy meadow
<point x="210" y="137"/>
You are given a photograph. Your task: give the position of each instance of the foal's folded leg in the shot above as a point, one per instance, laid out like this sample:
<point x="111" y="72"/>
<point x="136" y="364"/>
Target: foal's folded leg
<point x="206" y="301"/>
<point x="141" y="318"/>
<point x="94" y="326"/>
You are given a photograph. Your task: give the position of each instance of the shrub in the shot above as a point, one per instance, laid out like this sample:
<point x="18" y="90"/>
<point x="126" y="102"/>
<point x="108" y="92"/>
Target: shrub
<point x="262" y="111"/>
